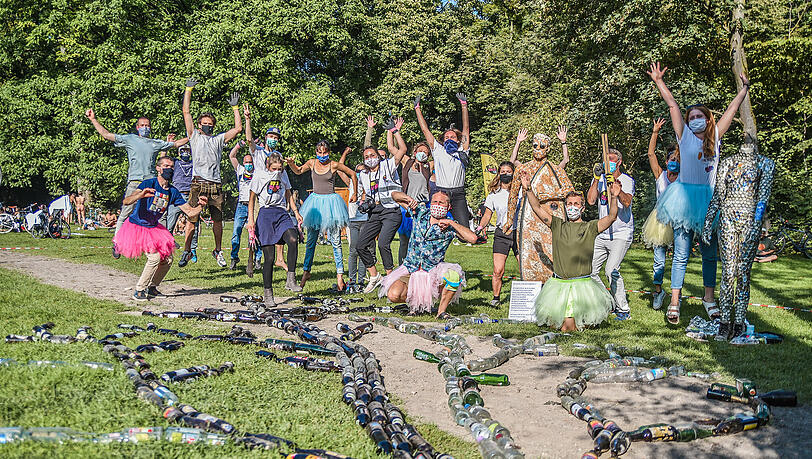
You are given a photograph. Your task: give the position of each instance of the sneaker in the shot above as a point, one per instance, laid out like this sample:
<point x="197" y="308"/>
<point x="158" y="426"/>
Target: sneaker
<point x="658" y="300"/>
<point x="153" y="292"/>
<point x="623" y="315"/>
<point x="724" y="332"/>
<point x="495" y="302"/>
<point x="116" y="255"/>
<point x="140" y="295"/>
<point x="374" y="282"/>
<point x="184" y="259"/>
<point x="234" y="262"/>
<point x="194" y="256"/>
<point x="257" y="264"/>
<point x="218" y="255"/>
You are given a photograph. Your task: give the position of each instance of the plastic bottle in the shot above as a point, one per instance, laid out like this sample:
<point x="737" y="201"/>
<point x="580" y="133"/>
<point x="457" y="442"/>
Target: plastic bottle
<point x="7" y="362"/>
<point x="97" y="365"/>
<point x="616" y="375"/>
<point x="10" y="434"/>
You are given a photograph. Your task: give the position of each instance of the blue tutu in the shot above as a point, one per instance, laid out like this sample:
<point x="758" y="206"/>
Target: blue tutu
<point x="324" y="212"/>
<point x="405" y="228"/>
<point x="684" y="205"/>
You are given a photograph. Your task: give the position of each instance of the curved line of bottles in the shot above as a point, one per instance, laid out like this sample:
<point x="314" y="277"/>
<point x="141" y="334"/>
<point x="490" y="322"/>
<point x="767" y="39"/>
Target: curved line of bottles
<point x="609" y="437"/>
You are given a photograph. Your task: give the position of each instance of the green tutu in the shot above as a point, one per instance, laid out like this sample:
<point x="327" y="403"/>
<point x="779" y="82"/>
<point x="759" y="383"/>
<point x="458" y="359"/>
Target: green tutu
<point x="584" y="299"/>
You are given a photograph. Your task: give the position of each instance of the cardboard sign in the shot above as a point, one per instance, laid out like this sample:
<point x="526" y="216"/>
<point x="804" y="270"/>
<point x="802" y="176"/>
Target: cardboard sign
<point x="523" y="300"/>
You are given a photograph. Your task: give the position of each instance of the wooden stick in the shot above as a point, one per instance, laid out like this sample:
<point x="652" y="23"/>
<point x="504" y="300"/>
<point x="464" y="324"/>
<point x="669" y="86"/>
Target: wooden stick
<point x="605" y="151"/>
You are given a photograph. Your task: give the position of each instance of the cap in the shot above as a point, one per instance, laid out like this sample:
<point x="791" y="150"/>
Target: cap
<point x="274" y="130"/>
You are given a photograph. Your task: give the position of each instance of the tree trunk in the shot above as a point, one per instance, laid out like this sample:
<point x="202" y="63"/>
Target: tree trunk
<point x="739" y="67"/>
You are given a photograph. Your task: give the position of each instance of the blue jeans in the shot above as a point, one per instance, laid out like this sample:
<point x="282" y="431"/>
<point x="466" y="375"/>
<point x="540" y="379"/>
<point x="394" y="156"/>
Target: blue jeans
<point x="310" y="249"/>
<point x="240" y="217"/>
<point x="172" y="215"/>
<point x="682" y="251"/>
<point x="659" y="264"/>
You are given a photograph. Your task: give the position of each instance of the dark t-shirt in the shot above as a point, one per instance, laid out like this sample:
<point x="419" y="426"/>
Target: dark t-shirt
<point x="573" y="244"/>
<point x="148" y="211"/>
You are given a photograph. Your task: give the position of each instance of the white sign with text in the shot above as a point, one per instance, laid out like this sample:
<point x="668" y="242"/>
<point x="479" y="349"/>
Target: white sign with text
<point x="523" y="300"/>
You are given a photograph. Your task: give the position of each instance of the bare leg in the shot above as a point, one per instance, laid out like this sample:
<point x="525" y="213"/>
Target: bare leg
<point x="187" y="235"/>
<point x="280" y="262"/>
<point x="397" y="292"/>
<point x="217" y="228"/>
<point x="445" y="299"/>
<point x="568" y="325"/>
<point x="498" y="271"/>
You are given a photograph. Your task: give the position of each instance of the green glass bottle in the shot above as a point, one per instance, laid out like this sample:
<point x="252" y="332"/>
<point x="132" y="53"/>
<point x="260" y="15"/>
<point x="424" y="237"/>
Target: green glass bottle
<point x="425" y="356"/>
<point x="462" y="369"/>
<point x="491" y="379"/>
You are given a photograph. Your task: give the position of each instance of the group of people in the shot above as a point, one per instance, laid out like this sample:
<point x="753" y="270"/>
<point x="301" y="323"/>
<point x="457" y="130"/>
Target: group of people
<point x="420" y="195"/>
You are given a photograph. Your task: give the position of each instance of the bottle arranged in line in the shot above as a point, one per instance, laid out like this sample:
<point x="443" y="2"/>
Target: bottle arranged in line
<point x="425" y="356"/>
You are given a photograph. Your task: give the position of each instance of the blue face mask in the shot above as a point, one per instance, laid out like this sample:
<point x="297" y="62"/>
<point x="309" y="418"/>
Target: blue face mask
<point x="612" y="167"/>
<point x="144" y="131"/>
<point x="249" y="167"/>
<point x="451" y="146"/>
<point x="323" y="159"/>
<point x="697" y="125"/>
<point x="673" y="166"/>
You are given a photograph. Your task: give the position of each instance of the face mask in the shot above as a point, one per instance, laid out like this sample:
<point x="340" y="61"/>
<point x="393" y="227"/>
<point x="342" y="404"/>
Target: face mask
<point x="421" y="156"/>
<point x="144" y="131"/>
<point x="207" y="129"/>
<point x="323" y="159"/>
<point x="249" y="167"/>
<point x="612" y="167"/>
<point x="451" y="146"/>
<point x="673" y="166"/>
<point x="186" y="155"/>
<point x="275" y="175"/>
<point x="272" y="143"/>
<point x="506" y="178"/>
<point x="697" y="125"/>
<point x="372" y="162"/>
<point x="573" y="213"/>
<point x="167" y="173"/>
<point x="438" y="210"/>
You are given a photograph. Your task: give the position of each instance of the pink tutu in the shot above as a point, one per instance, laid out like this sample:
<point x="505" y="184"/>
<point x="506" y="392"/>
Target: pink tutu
<point x="134" y="240"/>
<point x="424" y="287"/>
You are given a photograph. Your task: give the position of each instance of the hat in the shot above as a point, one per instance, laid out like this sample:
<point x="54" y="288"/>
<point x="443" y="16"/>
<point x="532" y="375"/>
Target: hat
<point x="274" y="130"/>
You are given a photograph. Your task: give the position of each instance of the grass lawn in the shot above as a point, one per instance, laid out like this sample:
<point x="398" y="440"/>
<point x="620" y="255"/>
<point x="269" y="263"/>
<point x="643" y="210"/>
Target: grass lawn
<point x="305" y="407"/>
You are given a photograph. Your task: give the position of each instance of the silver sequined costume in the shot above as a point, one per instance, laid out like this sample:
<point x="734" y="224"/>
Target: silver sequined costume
<point x="743" y="187"/>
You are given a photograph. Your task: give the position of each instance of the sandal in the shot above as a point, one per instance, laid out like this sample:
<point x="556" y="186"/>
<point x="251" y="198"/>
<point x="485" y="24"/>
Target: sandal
<point x="712" y="310"/>
<point x="672" y="314"/>
<point x="444" y="316"/>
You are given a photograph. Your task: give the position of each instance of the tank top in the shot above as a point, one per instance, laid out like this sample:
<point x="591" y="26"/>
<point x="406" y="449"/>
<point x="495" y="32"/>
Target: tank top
<point x="323" y="183"/>
<point x="418" y="186"/>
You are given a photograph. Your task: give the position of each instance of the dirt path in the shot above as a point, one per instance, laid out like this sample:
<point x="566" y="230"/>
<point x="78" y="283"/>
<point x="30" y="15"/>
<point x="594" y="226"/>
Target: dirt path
<point x="528" y="407"/>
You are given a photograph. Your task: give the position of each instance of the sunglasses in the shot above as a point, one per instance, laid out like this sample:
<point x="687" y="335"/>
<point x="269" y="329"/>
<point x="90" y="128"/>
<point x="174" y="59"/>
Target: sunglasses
<point x="694" y="106"/>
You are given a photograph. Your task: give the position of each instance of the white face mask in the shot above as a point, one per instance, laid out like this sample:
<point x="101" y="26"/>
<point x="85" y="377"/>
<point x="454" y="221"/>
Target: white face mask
<point x="372" y="162"/>
<point x="438" y="210"/>
<point x="421" y="156"/>
<point x="573" y="213"/>
<point x="275" y="175"/>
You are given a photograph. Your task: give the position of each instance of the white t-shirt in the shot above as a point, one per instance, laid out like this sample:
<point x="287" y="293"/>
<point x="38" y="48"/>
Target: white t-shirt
<point x="662" y="183"/>
<point x="497" y="202"/>
<point x="380" y="184"/>
<point x="694" y="170"/>
<point x="623" y="227"/>
<point x="244" y="182"/>
<point x="206" y="154"/>
<point x="270" y="193"/>
<point x="352" y="207"/>
<point x="449" y="170"/>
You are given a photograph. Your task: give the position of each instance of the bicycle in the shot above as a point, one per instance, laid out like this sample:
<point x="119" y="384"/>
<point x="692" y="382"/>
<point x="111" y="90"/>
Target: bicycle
<point x="58" y="227"/>
<point x="7" y="220"/>
<point x="787" y="234"/>
<point x="35" y="221"/>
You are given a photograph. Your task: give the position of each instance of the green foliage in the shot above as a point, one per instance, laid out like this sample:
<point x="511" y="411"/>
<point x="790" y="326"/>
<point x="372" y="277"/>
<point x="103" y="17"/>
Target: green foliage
<point x="316" y="68"/>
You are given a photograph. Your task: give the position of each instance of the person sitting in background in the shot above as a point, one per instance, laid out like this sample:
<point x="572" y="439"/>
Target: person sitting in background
<point x="572" y="298"/>
<point x="766" y="248"/>
<point x="425" y="276"/>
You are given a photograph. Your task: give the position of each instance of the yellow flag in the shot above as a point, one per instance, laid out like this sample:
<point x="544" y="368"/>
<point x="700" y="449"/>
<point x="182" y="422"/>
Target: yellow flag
<point x="490" y="168"/>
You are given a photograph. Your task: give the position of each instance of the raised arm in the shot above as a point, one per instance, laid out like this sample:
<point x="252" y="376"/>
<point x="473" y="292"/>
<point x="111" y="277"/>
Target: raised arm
<point x="592" y="192"/>
<point x="370" y="131"/>
<point x="99" y="128"/>
<point x="249" y="137"/>
<point x="656" y="73"/>
<point x="393" y="133"/>
<point x="340" y="168"/>
<point x="344" y="154"/>
<point x="562" y="136"/>
<point x="606" y="222"/>
<point x="296" y="169"/>
<point x="652" y="148"/>
<point x="233" y="155"/>
<point x="542" y="213"/>
<point x="520" y="137"/>
<point x="422" y="122"/>
<point x="465" y="142"/>
<point x="727" y="118"/>
<point x="187" y="102"/>
<point x="139" y="194"/>
<point x="234" y="101"/>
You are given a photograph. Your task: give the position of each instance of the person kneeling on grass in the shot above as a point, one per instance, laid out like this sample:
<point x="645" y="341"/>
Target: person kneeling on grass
<point x="142" y="234"/>
<point x="571" y="298"/>
<point x="424" y="276"/>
